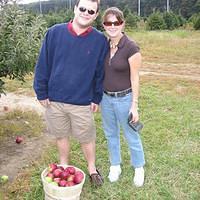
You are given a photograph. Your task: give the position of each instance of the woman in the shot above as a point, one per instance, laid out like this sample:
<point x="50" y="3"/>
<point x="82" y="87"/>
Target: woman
<point x="120" y="98"/>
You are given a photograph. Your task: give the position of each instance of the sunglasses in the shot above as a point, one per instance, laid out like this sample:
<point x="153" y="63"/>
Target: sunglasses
<point x="90" y="12"/>
<point x="116" y="23"/>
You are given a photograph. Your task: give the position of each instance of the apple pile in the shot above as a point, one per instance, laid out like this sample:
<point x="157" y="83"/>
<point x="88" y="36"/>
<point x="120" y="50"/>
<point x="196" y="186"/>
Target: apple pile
<point x="63" y="177"/>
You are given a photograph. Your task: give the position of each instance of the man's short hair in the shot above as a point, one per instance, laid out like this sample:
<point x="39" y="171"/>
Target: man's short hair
<point x="97" y="1"/>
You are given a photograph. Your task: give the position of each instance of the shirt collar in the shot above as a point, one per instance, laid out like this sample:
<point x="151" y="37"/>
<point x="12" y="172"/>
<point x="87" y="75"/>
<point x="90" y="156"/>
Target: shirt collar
<point x="72" y="31"/>
<point x="122" y="41"/>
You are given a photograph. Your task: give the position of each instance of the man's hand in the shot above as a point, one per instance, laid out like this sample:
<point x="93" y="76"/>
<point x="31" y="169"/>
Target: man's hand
<point x="94" y="107"/>
<point x="45" y="103"/>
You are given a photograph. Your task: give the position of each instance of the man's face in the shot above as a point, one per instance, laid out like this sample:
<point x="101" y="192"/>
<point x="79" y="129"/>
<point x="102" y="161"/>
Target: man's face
<point x="85" y="13"/>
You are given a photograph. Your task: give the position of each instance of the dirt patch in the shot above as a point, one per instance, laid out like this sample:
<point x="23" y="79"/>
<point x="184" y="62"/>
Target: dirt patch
<point x="13" y="156"/>
<point x="180" y="71"/>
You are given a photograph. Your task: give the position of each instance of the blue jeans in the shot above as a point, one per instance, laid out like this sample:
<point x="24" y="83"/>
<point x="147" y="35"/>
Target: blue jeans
<point x="115" y="112"/>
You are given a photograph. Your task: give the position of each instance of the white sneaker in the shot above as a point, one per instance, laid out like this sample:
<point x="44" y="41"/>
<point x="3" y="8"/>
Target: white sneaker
<point x="114" y="173"/>
<point x="139" y="177"/>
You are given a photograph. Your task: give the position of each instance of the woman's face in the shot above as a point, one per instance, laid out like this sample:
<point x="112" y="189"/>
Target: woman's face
<point x="112" y="26"/>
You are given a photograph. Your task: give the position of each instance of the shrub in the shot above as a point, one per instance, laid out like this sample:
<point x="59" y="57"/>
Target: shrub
<point x="156" y="21"/>
<point x="197" y="23"/>
<point x="131" y="20"/>
<point x="171" y="20"/>
<point x="195" y="20"/>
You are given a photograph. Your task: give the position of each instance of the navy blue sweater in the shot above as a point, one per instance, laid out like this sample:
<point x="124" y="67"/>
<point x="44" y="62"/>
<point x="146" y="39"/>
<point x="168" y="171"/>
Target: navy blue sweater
<point x="70" y="67"/>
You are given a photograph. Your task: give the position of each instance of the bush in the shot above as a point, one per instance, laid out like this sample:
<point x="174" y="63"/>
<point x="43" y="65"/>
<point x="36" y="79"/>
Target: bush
<point x="60" y="17"/>
<point x="21" y="35"/>
<point x="197" y="23"/>
<point x="195" y="20"/>
<point x="131" y="20"/>
<point x="156" y="21"/>
<point x="171" y="20"/>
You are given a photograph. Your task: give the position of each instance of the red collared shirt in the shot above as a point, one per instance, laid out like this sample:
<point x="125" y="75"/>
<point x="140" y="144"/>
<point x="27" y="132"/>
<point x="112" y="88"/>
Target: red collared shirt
<point x="72" y="31"/>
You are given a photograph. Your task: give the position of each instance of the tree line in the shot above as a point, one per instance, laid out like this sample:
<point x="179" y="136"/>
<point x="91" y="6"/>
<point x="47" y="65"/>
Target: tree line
<point x="186" y="8"/>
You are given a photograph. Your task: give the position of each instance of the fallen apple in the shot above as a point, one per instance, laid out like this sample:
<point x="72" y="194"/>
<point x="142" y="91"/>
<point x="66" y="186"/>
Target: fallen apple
<point x="3" y="179"/>
<point x="19" y="139"/>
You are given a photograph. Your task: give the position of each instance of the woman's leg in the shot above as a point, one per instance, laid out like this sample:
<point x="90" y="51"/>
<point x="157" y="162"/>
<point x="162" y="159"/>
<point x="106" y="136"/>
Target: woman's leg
<point x="111" y="129"/>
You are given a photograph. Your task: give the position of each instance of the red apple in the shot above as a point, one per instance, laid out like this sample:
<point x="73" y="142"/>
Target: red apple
<point x="64" y="174"/>
<point x="57" y="173"/>
<point x="50" y="175"/>
<point x="52" y="167"/>
<point x="57" y="180"/>
<point x="63" y="183"/>
<point x="70" y="183"/>
<point x="18" y="139"/>
<point x="70" y="178"/>
<point x="61" y="167"/>
<point x="71" y="170"/>
<point x="78" y="177"/>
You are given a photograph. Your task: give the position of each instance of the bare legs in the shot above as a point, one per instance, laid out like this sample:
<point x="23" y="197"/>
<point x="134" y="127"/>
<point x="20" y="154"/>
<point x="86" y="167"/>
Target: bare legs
<point x="63" y="148"/>
<point x="87" y="148"/>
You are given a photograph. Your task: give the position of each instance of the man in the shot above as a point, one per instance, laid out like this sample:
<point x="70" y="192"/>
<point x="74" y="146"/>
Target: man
<point x="68" y="82"/>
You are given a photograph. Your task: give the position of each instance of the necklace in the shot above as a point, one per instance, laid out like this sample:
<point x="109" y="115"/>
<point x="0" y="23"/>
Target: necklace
<point x="113" y="45"/>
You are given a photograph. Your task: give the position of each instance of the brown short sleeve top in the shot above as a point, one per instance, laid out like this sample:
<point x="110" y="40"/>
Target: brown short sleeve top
<point x="117" y="69"/>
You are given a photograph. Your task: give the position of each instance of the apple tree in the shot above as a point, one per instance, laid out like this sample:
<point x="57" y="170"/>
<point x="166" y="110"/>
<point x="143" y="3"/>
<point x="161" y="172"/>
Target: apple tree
<point x="21" y="35"/>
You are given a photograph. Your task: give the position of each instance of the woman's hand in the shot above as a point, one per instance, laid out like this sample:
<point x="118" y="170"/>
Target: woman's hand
<point x="135" y="114"/>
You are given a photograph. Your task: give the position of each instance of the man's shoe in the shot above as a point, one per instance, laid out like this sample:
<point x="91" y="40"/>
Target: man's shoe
<point x="115" y="171"/>
<point x="96" y="179"/>
<point x="139" y="177"/>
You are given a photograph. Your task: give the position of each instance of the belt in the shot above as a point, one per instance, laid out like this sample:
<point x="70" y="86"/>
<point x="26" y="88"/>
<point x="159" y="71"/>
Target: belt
<point x="119" y="94"/>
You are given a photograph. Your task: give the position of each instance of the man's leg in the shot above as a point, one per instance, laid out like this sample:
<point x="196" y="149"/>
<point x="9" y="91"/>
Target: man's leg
<point x="63" y="148"/>
<point x="89" y="150"/>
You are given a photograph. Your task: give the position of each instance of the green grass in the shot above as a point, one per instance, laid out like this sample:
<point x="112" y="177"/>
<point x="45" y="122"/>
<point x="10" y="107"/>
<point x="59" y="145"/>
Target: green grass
<point x="17" y="122"/>
<point x="171" y="143"/>
<point x="178" y="46"/>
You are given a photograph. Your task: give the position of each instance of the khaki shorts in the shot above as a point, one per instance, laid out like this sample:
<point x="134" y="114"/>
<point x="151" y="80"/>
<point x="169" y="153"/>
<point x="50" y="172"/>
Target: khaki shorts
<point x="64" y="120"/>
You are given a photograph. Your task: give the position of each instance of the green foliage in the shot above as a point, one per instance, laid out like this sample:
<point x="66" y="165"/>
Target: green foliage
<point x="58" y="17"/>
<point x="20" y="35"/>
<point x="195" y="19"/>
<point x="171" y="20"/>
<point x="156" y="21"/>
<point x="131" y="20"/>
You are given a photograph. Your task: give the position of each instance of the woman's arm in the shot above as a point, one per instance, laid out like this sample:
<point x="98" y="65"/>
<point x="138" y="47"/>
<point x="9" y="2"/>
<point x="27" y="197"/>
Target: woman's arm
<point x="135" y="63"/>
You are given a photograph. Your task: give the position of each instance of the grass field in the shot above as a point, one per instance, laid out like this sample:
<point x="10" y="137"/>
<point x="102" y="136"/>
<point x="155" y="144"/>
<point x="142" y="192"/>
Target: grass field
<point x="170" y="110"/>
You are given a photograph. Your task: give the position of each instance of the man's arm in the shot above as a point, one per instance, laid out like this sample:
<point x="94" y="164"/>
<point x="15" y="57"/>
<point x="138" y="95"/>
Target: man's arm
<point x="99" y="75"/>
<point x="42" y="72"/>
